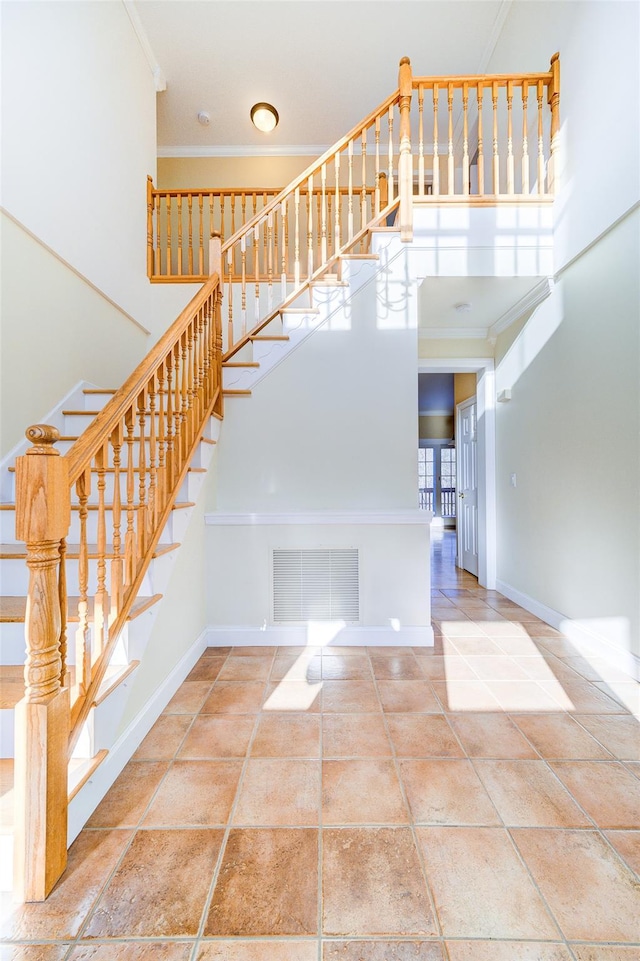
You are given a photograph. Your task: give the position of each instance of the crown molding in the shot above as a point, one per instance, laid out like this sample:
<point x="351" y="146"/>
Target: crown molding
<point x="530" y="301"/>
<point x="452" y="333"/>
<point x="158" y="76"/>
<point x="243" y="150"/>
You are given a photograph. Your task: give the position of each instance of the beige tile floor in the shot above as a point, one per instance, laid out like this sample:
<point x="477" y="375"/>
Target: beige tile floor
<point x="476" y="801"/>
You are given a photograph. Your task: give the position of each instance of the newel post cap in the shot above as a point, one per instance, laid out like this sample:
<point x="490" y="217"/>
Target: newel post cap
<point x="43" y="504"/>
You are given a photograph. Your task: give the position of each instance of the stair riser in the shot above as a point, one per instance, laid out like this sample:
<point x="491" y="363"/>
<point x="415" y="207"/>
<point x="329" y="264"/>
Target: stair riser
<point x="15" y="576"/>
<point x="96" y="401"/>
<point x="12" y="644"/>
<point x="131" y="646"/>
<point x="240" y="378"/>
<point x="7" y="728"/>
<point x="101" y="727"/>
<point x="8" y="533"/>
<point x="187" y="488"/>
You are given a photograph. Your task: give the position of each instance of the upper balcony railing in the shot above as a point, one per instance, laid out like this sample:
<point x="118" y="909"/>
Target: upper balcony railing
<point x="466" y="139"/>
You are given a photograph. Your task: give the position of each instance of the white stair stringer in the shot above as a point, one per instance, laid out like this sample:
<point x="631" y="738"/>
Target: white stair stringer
<point x="299" y="321"/>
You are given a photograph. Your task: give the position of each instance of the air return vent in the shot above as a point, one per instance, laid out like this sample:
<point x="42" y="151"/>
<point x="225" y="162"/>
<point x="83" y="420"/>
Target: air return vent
<point x="315" y="585"/>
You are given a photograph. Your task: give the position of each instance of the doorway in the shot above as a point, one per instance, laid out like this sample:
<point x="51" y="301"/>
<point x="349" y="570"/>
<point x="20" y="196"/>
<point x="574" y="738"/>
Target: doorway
<point x="467" y="487"/>
<point x="483" y="369"/>
<point x="437" y="466"/>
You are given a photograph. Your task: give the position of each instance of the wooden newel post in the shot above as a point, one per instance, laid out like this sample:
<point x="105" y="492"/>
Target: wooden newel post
<point x="42" y="716"/>
<point x="405" y="160"/>
<point x="553" y="98"/>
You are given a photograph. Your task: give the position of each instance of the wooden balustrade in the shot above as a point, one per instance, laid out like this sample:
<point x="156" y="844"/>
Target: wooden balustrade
<point x="119" y="481"/>
<point x="484" y="138"/>
<point x="180" y="222"/>
<point x="458" y="161"/>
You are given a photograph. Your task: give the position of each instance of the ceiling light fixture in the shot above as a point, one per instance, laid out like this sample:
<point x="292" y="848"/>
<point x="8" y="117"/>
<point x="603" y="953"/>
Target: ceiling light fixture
<point x="264" y="117"/>
<point x="463" y="308"/>
<point x="204" y="118"/>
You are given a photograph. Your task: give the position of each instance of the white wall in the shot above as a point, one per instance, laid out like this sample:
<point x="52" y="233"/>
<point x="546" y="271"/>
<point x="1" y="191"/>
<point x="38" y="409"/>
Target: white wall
<point x="38" y="319"/>
<point x="599" y="46"/>
<point x="333" y="428"/>
<point x="393" y="579"/>
<point x="569" y="533"/>
<point x="78" y="140"/>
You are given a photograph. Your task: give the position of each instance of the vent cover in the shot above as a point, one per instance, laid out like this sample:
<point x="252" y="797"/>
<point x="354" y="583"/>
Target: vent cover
<point x="316" y="585"/>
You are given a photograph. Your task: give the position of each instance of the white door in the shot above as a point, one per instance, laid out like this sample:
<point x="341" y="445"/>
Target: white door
<point x="467" y="491"/>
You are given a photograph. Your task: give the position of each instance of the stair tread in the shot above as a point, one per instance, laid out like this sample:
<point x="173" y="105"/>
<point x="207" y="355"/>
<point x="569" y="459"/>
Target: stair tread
<point x="237" y="393"/>
<point x="98" y="390"/>
<point x="12" y="682"/>
<point x="12" y="608"/>
<point x="19" y="551"/>
<point x="360" y="257"/>
<point x="80" y="770"/>
<point x="269" y="337"/>
<point x="240" y="363"/>
<point x="300" y="310"/>
<point x="116" y="674"/>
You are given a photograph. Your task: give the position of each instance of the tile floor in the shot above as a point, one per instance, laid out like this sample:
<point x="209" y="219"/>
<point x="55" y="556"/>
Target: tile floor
<point x="476" y="801"/>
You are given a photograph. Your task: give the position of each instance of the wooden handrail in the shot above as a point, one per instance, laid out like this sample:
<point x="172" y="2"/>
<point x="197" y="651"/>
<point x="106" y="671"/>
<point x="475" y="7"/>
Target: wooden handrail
<point x="236" y="192"/>
<point x="141" y="445"/>
<point x="502" y="79"/>
<point x="313" y="168"/>
<point x="114" y="410"/>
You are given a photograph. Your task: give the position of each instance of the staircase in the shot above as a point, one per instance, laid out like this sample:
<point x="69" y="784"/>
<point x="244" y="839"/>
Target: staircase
<point x="103" y="499"/>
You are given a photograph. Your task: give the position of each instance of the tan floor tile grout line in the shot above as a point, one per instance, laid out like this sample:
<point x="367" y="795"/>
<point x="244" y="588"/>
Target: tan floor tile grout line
<point x="411" y="823"/>
<point x="229" y="827"/>
<point x="127" y="846"/>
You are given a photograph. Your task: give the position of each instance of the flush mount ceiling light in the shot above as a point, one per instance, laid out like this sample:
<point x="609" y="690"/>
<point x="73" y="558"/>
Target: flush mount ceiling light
<point x="264" y="117"/>
<point x="463" y="308"/>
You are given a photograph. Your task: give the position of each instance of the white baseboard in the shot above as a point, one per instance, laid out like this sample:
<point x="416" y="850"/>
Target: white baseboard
<point x="319" y="635"/>
<point x="85" y="802"/>
<point x="584" y="635"/>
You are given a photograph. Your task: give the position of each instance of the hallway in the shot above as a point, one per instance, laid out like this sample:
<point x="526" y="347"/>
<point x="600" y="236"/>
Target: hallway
<point x="475" y="801"/>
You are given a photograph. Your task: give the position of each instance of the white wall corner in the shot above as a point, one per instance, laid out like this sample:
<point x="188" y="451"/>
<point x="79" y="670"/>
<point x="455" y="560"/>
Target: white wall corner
<point x="588" y="642"/>
<point x="156" y="70"/>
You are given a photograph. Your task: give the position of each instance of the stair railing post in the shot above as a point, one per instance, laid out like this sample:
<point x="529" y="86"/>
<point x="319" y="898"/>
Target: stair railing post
<point x="215" y="254"/>
<point x="215" y="267"/>
<point x="405" y="159"/>
<point x="150" y="227"/>
<point x="553" y="97"/>
<point x="42" y="716"/>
